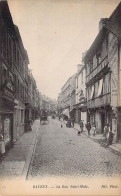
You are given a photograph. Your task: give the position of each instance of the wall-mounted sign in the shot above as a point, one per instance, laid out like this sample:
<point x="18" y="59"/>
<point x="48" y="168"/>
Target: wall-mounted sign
<point x="10" y="86"/>
<point x="9" y="94"/>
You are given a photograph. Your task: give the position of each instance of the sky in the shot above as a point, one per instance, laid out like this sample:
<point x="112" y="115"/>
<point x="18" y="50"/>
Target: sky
<point x="55" y="33"/>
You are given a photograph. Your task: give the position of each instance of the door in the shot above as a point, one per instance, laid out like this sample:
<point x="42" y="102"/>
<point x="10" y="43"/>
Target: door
<point x="102" y="122"/>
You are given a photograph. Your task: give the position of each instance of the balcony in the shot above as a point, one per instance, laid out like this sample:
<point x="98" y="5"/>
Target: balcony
<point x="103" y="100"/>
<point x="98" y="69"/>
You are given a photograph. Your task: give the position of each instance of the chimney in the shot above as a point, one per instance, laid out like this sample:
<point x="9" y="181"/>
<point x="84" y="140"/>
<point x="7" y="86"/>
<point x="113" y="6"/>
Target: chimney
<point x="83" y="55"/>
<point x="103" y="21"/>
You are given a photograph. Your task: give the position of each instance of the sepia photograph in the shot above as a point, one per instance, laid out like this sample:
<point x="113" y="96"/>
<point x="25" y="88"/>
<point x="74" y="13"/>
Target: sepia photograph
<point x="60" y="97"/>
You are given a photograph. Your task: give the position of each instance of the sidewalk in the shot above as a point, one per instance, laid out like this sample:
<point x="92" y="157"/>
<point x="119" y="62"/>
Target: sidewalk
<point x="98" y="138"/>
<point x="17" y="161"/>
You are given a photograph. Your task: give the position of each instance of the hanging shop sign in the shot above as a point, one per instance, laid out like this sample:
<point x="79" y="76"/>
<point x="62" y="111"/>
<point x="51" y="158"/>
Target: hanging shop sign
<point x="8" y="93"/>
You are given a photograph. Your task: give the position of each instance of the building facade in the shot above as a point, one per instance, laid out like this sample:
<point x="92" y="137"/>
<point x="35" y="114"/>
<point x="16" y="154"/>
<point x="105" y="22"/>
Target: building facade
<point x="81" y="109"/>
<point x="18" y="92"/>
<point x="33" y="101"/>
<point x="66" y="98"/>
<point x="7" y="91"/>
<point x="102" y="63"/>
<point x="20" y="73"/>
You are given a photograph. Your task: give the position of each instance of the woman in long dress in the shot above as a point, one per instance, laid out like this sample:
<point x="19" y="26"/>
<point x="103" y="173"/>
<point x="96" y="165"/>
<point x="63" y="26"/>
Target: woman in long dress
<point x="2" y="144"/>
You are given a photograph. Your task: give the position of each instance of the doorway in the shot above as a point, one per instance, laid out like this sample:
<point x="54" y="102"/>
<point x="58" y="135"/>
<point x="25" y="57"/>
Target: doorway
<point x="102" y="122"/>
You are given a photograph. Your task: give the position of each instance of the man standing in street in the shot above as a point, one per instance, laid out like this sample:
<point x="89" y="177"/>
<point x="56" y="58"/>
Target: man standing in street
<point x="81" y="125"/>
<point x="72" y="121"/>
<point x="88" y="127"/>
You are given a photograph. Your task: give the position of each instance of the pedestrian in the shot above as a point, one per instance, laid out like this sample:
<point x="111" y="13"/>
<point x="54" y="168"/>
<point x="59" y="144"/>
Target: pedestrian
<point x="81" y="125"/>
<point x="106" y="131"/>
<point x="110" y="138"/>
<point x="72" y="121"/>
<point x="79" y="132"/>
<point x="94" y="129"/>
<point x="88" y="127"/>
<point x="59" y="117"/>
<point x="2" y="145"/>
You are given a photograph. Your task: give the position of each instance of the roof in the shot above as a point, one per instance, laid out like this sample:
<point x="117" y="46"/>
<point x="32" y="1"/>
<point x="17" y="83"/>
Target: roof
<point x="77" y="74"/>
<point x="13" y="29"/>
<point x="95" y="45"/>
<point x="118" y="8"/>
<point x="101" y="35"/>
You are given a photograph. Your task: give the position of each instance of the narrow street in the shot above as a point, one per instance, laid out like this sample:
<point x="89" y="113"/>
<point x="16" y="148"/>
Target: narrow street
<point x="61" y="152"/>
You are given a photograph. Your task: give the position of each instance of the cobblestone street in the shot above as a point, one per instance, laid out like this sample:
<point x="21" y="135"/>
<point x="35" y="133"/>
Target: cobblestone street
<point x="61" y="152"/>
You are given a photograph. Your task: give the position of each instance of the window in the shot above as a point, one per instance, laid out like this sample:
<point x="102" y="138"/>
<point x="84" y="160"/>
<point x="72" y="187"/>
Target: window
<point x="107" y="84"/>
<point x="82" y="78"/>
<point x="91" y="65"/>
<point x="98" y="55"/>
<point x="103" y="87"/>
<point x="22" y="116"/>
<point x="92" y="90"/>
<point x="4" y="74"/>
<point x="87" y="70"/>
<point x="96" y="88"/>
<point x="107" y="42"/>
<point x="100" y="87"/>
<point x="77" y="82"/>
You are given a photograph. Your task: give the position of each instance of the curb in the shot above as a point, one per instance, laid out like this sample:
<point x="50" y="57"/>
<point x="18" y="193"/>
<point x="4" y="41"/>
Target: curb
<point x="30" y="156"/>
<point x="96" y="140"/>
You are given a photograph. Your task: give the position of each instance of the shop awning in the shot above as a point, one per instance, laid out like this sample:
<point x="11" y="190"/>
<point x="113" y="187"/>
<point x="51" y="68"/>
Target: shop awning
<point x="66" y="112"/>
<point x="72" y="110"/>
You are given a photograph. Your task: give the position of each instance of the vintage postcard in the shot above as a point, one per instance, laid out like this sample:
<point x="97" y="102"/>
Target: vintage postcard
<point x="60" y="97"/>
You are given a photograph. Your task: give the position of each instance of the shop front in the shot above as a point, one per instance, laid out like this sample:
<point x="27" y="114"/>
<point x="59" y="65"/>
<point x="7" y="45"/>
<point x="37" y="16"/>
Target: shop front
<point x="119" y="125"/>
<point x="83" y="109"/>
<point x="77" y="114"/>
<point x="73" y="113"/>
<point x="6" y="123"/>
<point x="19" y="119"/>
<point x="103" y="116"/>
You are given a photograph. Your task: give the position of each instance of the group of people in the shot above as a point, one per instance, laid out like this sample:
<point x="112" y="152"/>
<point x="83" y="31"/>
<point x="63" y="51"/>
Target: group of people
<point x="107" y="130"/>
<point x="88" y="127"/>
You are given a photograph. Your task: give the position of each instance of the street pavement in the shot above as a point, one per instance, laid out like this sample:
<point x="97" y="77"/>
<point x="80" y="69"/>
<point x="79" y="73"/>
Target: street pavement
<point x="55" y="150"/>
<point x="16" y="162"/>
<point x="60" y="151"/>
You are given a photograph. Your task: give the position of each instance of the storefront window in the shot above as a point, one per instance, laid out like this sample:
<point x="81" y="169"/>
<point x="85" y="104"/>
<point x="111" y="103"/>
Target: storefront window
<point x="6" y="130"/>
